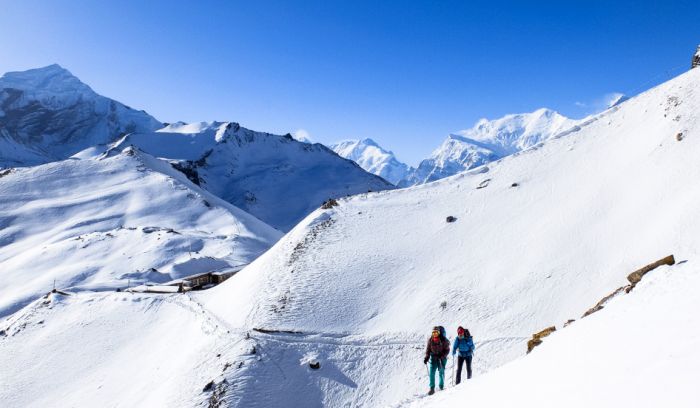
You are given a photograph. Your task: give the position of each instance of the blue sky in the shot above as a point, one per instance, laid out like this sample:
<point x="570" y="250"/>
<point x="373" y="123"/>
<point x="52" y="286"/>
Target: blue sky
<point x="403" y="73"/>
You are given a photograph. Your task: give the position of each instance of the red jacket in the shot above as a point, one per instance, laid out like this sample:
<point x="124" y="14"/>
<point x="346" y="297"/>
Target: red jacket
<point x="439" y="348"/>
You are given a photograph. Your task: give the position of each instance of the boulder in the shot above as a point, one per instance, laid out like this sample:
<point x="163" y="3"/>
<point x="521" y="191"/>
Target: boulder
<point x="537" y="338"/>
<point x="636" y="276"/>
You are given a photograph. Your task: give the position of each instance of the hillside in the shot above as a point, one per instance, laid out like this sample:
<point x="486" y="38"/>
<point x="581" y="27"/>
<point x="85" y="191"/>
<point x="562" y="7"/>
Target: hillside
<point x="650" y="334"/>
<point x="100" y="223"/>
<point x="539" y="237"/>
<point x="275" y="178"/>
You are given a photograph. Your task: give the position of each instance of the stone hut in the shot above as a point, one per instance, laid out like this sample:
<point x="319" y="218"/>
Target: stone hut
<point x="696" y="59"/>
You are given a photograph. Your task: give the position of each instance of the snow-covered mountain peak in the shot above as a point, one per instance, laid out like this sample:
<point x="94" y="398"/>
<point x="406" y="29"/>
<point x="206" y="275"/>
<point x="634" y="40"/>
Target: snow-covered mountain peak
<point x="373" y="158"/>
<point x="488" y="140"/>
<point x="47" y="114"/>
<point x="515" y="132"/>
<point x="256" y="171"/>
<point x="51" y="79"/>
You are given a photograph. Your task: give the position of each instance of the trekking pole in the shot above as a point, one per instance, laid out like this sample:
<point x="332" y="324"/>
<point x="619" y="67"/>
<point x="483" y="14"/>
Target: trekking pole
<point x="453" y="370"/>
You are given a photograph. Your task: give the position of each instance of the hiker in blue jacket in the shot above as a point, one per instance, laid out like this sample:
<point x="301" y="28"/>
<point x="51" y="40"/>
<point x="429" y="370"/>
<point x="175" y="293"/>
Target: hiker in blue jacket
<point x="465" y="344"/>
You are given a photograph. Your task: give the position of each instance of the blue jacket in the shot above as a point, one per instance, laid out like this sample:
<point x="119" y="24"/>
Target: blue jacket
<point x="465" y="345"/>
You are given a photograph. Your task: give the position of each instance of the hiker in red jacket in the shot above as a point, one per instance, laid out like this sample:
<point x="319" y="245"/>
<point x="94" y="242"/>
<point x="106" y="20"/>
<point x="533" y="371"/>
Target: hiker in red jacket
<point x="436" y="351"/>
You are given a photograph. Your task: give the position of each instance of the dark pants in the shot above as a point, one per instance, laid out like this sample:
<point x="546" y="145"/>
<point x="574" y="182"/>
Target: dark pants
<point x="460" y="360"/>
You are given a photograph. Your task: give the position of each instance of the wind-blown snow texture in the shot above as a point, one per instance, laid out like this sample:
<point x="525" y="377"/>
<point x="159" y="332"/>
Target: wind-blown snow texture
<point x="47" y="114"/>
<point x="100" y="223"/>
<point x="275" y="178"/>
<point x="373" y="158"/>
<point x="539" y="237"/>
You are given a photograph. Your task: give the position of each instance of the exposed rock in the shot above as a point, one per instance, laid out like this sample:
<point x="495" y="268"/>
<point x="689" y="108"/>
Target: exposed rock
<point x="636" y="276"/>
<point x="679" y="136"/>
<point x="601" y="303"/>
<point x="483" y="184"/>
<point x="216" y="399"/>
<point x="314" y="364"/>
<point x="568" y="322"/>
<point x="451" y="218"/>
<point x="188" y="169"/>
<point x="330" y="203"/>
<point x="696" y="59"/>
<point x="537" y="338"/>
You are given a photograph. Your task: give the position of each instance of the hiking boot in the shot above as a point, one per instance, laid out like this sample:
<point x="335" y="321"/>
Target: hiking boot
<point x="442" y="388"/>
<point x="432" y="391"/>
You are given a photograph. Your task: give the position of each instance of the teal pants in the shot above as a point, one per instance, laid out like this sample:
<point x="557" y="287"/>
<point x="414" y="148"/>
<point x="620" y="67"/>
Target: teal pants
<point x="435" y="364"/>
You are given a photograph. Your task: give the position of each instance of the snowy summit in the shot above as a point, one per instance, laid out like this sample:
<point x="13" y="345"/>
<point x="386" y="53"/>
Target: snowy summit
<point x="373" y="158"/>
<point x="47" y="114"/>
<point x="487" y="141"/>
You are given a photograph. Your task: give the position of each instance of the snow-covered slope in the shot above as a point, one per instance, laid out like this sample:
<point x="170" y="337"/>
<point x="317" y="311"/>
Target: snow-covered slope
<point x="99" y="223"/>
<point x="373" y="158"/>
<point x="117" y="350"/>
<point x="640" y="351"/>
<point x="487" y="141"/>
<point x="539" y="237"/>
<point x="276" y="178"/>
<point x="47" y="114"/>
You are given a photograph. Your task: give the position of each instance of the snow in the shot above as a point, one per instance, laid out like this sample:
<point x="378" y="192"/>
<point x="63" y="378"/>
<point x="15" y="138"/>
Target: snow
<point x="275" y="178"/>
<point x="49" y="115"/>
<point x="100" y="223"/>
<point x="540" y="236"/>
<point x="52" y="85"/>
<point x="487" y="141"/>
<point x="590" y="207"/>
<point x="178" y="142"/>
<point x="630" y="354"/>
<point x="373" y="158"/>
<point x="114" y="349"/>
<point x="616" y="99"/>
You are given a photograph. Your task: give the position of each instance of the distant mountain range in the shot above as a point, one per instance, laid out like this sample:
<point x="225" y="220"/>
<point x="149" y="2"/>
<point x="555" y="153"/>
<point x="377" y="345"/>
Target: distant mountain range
<point x="275" y="178"/>
<point x="487" y="141"/>
<point x="47" y="115"/>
